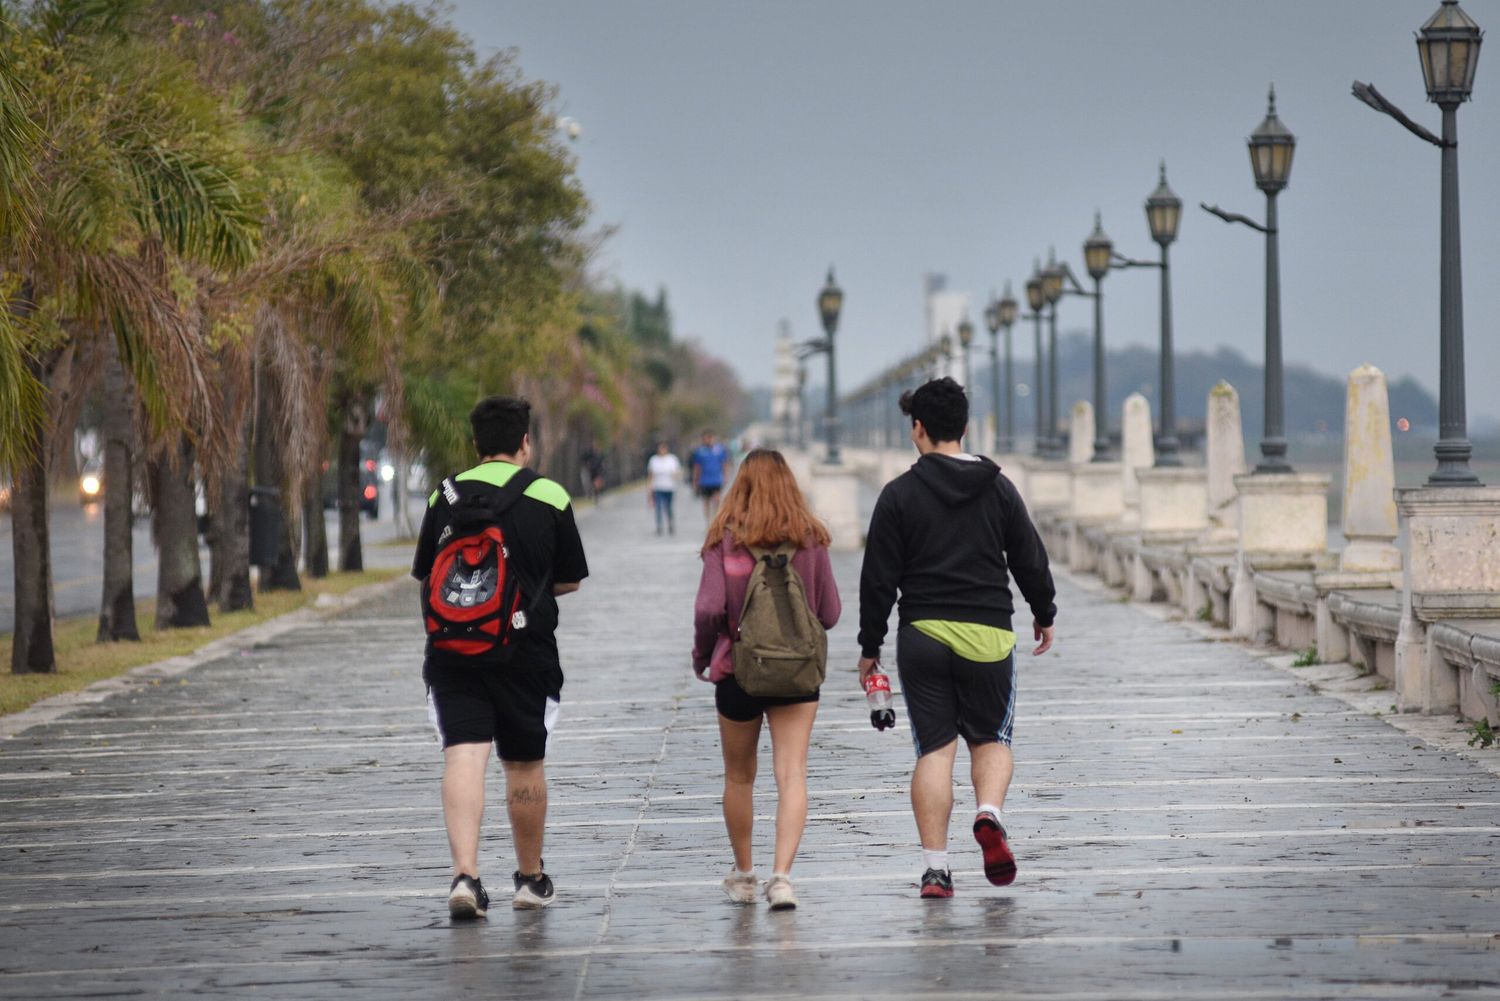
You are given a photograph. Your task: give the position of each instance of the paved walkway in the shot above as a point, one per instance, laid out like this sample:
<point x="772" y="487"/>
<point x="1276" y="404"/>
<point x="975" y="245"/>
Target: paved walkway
<point x="1189" y="823"/>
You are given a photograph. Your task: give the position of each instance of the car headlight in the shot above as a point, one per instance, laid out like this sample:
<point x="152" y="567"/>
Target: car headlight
<point x="90" y="485"/>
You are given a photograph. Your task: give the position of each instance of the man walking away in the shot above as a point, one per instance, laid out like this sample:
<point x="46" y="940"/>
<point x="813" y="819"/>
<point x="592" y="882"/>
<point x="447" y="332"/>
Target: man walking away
<point x="943" y="535"/>
<point x="711" y="467"/>
<point x="507" y="695"/>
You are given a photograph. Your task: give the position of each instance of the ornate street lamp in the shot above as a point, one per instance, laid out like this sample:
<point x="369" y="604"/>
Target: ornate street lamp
<point x="966" y="338"/>
<point x="1163" y="213"/>
<point x="1098" y="250"/>
<point x="1035" y="300"/>
<point x="1271" y="148"/>
<point x="830" y="301"/>
<point x="801" y="413"/>
<point x="1052" y="290"/>
<point x="1007" y="443"/>
<point x="1448" y="45"/>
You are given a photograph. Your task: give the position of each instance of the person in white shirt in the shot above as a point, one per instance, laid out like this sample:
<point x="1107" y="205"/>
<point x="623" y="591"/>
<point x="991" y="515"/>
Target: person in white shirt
<point x="665" y="472"/>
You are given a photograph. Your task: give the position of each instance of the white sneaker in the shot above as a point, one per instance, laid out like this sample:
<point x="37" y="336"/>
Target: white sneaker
<point x="740" y="887"/>
<point x="780" y="894"/>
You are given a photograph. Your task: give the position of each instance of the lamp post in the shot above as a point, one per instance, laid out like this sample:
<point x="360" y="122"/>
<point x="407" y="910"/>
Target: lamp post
<point x="801" y="413"/>
<point x="1163" y="213"/>
<point x="830" y="301"/>
<point x="1007" y="444"/>
<point x="1036" y="301"/>
<point x="1448" y="44"/>
<point x="1271" y="148"/>
<point x="966" y="338"/>
<point x="1052" y="288"/>
<point x="1097" y="252"/>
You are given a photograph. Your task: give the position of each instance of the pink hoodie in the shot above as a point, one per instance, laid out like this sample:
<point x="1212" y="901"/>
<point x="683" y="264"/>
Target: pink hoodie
<point x="726" y="572"/>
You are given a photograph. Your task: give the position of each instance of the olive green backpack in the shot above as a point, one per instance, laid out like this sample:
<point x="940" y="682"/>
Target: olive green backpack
<point x="780" y="648"/>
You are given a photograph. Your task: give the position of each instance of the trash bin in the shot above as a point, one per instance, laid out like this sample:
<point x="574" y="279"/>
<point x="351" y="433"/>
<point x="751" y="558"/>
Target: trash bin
<point x="265" y="526"/>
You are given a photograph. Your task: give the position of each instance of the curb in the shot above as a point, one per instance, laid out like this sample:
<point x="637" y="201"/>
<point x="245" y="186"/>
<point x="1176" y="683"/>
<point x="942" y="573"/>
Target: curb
<point x="324" y="606"/>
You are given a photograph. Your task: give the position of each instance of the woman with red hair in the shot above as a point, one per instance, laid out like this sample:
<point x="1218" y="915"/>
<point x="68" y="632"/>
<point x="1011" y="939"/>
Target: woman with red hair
<point x="763" y="509"/>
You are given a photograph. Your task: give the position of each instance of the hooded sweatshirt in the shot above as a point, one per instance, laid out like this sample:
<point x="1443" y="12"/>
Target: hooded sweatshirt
<point x="945" y="535"/>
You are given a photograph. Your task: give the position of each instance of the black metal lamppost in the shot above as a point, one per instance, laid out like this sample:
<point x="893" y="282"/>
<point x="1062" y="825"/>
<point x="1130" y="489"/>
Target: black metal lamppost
<point x="801" y="413"/>
<point x="965" y="339"/>
<point x="1052" y="290"/>
<point x="1035" y="300"/>
<point x="1448" y="45"/>
<point x="1163" y="213"/>
<point x="830" y="301"/>
<point x="1001" y="315"/>
<point x="1098" y="251"/>
<point x="1271" y="148"/>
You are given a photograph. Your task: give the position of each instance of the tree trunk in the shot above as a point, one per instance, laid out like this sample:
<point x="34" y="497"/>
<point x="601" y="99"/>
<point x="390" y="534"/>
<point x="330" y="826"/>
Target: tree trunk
<point x="352" y="428"/>
<point x="270" y="471"/>
<point x="180" y="600"/>
<point x="315" y="533"/>
<point x="231" y="528"/>
<point x="32" y="652"/>
<point x="117" y="604"/>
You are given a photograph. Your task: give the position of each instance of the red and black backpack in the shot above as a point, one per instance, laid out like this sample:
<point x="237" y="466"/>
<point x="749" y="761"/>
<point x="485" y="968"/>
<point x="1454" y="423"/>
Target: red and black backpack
<point x="472" y="599"/>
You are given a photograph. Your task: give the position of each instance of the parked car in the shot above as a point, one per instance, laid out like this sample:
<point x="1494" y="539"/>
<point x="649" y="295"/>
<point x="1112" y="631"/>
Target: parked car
<point x="369" y="487"/>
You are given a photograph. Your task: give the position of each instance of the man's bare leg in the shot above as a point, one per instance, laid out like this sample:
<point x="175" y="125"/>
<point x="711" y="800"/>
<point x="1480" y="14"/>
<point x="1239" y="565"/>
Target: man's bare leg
<point x="932" y="795"/>
<point x="526" y="803"/>
<point x="990" y="768"/>
<point x="463" y="803"/>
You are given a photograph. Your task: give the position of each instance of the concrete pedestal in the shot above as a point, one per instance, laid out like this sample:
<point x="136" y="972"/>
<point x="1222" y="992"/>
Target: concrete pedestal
<point x="1284" y="523"/>
<point x="835" y="499"/>
<point x="1048" y="484"/>
<point x="1174" y="501"/>
<point x="1452" y="571"/>
<point x="1283" y="513"/>
<point x="1097" y="492"/>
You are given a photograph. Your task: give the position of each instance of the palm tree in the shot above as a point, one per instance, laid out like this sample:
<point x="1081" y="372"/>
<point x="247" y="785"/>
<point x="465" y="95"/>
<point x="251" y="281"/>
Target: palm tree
<point x="131" y="174"/>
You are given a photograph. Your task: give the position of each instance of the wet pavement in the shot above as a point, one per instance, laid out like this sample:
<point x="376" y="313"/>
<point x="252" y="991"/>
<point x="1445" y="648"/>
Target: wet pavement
<point x="1189" y="822"/>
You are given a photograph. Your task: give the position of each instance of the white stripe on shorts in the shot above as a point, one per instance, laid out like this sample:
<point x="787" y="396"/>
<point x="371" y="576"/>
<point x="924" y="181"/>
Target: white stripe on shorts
<point x="549" y="721"/>
<point x="432" y="717"/>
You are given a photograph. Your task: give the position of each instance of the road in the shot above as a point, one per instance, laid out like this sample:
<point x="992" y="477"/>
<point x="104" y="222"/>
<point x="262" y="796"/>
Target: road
<point x="78" y="557"/>
<point x="1189" y="821"/>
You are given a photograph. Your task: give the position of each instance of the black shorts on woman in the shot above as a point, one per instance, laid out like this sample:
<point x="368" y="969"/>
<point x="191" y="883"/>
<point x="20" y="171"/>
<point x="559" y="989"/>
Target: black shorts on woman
<point x="739" y="706"/>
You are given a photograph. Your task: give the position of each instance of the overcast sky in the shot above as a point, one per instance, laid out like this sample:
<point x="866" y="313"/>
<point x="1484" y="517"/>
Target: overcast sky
<point x="740" y="148"/>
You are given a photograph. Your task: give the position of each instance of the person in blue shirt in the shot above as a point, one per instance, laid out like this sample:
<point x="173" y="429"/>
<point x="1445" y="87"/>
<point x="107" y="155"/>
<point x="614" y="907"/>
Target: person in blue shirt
<point x="711" y="467"/>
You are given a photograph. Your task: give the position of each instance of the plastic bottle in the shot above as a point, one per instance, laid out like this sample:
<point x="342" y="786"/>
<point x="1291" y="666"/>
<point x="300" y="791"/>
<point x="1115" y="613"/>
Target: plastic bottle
<point x="878" y="697"/>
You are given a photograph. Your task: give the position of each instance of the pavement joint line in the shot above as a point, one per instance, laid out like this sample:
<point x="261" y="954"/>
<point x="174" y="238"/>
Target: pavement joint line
<point x="784" y="947"/>
<point x="630" y="845"/>
<point x="262" y="815"/>
<point x="846" y="815"/>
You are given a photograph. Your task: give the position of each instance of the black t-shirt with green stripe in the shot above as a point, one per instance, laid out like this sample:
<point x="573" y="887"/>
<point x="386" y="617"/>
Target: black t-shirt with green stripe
<point x="544" y="549"/>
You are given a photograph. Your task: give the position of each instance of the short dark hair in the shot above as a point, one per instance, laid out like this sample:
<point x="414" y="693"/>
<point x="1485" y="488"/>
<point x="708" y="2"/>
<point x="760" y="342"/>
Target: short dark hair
<point x="500" y="424"/>
<point x="941" y="406"/>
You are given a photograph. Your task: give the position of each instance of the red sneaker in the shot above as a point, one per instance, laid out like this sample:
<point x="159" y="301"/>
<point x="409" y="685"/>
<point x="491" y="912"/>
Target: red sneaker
<point x="999" y="863"/>
<point x="937" y="883"/>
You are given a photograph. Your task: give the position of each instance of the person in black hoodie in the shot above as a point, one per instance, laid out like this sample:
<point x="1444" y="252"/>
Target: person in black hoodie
<point x="943" y="536"/>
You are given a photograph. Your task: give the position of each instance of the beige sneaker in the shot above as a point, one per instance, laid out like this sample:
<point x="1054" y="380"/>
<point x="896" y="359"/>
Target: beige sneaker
<point x="780" y="894"/>
<point x="740" y="887"/>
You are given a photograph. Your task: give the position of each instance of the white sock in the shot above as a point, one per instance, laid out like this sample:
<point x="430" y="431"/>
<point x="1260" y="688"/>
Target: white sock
<point x="990" y="808"/>
<point x="736" y="872"/>
<point x="936" y="859"/>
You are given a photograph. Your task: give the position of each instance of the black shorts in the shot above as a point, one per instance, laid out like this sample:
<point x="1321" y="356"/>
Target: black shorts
<point x="739" y="706"/>
<point x="948" y="696"/>
<point x="707" y="492"/>
<point x="476" y="705"/>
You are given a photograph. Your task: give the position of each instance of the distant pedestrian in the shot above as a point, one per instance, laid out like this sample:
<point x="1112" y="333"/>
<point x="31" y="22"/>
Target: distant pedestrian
<point x="943" y="536"/>
<point x="665" y="472"/>
<point x="764" y="518"/>
<point x="497" y="546"/>
<point x="712" y="465"/>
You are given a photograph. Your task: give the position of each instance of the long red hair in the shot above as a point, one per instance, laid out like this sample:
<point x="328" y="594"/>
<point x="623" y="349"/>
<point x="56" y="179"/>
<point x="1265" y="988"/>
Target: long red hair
<point x="765" y="507"/>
